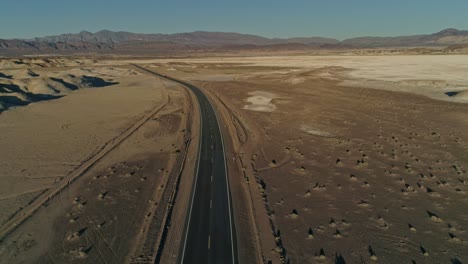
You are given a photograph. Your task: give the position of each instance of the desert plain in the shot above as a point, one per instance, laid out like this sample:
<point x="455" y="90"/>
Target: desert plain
<point x="331" y="158"/>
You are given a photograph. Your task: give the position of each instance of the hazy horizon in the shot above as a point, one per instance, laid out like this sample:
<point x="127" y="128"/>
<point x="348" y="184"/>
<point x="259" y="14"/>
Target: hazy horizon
<point x="272" y="19"/>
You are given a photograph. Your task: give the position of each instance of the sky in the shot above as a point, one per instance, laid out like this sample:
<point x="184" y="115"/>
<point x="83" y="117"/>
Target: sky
<point x="273" y="18"/>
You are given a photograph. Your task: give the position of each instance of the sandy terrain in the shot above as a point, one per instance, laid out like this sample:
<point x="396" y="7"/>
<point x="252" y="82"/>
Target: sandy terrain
<point x="98" y="159"/>
<point x="433" y="76"/>
<point x="47" y="140"/>
<point x="331" y="158"/>
<point x="347" y="173"/>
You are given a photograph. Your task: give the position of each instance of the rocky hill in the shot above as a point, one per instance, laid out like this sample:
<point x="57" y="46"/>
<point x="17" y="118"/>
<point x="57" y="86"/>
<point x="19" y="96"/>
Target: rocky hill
<point x="443" y="38"/>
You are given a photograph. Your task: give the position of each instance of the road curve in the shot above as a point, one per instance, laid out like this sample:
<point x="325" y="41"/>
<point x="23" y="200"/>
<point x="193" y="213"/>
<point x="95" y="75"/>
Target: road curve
<point x="209" y="235"/>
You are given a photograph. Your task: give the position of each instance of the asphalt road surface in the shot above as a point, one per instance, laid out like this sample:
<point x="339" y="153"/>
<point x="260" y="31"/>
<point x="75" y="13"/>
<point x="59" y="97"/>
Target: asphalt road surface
<point x="209" y="235"/>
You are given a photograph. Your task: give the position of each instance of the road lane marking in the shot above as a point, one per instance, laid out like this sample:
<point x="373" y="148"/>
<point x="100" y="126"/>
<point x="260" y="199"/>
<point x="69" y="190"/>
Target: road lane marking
<point x="207" y="106"/>
<point x="227" y="186"/>
<point x="196" y="182"/>
<point x="211" y="204"/>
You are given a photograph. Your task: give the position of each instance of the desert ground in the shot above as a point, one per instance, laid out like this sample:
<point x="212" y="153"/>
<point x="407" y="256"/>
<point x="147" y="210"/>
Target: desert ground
<point x="332" y="159"/>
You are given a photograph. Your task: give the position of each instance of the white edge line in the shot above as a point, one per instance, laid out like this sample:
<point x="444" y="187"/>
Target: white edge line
<point x="227" y="181"/>
<point x="198" y="163"/>
<point x="196" y="175"/>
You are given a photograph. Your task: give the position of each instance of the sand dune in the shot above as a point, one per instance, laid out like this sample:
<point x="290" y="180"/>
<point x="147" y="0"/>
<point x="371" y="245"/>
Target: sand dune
<point x="19" y="87"/>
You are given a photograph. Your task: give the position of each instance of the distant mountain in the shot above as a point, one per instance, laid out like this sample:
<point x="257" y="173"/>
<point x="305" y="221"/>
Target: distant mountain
<point x="110" y="42"/>
<point x="21" y="47"/>
<point x="197" y="38"/>
<point x="443" y="38"/>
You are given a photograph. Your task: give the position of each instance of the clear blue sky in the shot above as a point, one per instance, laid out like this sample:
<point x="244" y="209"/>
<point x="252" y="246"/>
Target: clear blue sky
<point x="273" y="18"/>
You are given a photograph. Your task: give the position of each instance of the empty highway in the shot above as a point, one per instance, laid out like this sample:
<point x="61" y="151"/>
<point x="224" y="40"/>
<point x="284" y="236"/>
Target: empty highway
<point x="209" y="235"/>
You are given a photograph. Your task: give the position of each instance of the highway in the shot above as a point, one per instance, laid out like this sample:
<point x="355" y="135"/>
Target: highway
<point x="209" y="234"/>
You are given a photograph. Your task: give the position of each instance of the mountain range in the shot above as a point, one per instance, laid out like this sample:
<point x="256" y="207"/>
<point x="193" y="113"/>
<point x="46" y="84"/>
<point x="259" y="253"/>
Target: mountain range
<point x="109" y="42"/>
